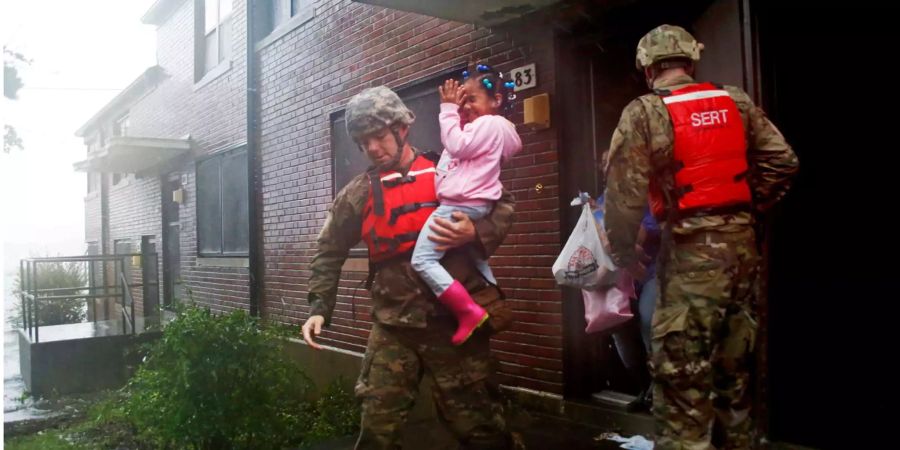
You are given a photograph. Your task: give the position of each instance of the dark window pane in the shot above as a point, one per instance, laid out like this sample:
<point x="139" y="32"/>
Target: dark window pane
<point x="235" y="223"/>
<point x="95" y="269"/>
<point x="424" y="135"/>
<point x="122" y="247"/>
<point x="424" y="101"/>
<point x="349" y="161"/>
<point x="209" y="207"/>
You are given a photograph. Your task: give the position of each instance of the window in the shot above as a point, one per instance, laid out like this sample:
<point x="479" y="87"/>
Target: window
<point x="93" y="180"/>
<point x="424" y="135"/>
<point x="94" y="145"/>
<point x="95" y="268"/>
<point x="122" y="247"/>
<point x="120" y="126"/>
<point x="279" y="18"/>
<point x="119" y="129"/>
<point x="215" y="43"/>
<point x="280" y="11"/>
<point x="223" y="226"/>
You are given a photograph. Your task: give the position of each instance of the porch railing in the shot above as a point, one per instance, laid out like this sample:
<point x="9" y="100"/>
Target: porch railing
<point x="34" y="297"/>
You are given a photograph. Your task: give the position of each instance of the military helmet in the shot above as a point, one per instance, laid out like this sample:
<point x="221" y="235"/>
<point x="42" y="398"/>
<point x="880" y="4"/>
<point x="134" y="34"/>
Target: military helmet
<point x="374" y="109"/>
<point x="666" y="42"/>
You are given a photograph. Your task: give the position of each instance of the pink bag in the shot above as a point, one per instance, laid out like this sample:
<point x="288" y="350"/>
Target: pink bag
<point x="609" y="307"/>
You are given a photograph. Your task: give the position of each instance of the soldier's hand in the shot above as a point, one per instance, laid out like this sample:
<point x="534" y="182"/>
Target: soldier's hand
<point x="638" y="271"/>
<point x="604" y="241"/>
<point x="449" y="234"/>
<point x="643" y="257"/>
<point x="312" y="326"/>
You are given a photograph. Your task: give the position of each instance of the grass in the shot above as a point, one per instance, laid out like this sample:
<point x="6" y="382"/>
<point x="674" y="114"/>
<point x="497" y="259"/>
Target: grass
<point x="103" y="426"/>
<point x="45" y="440"/>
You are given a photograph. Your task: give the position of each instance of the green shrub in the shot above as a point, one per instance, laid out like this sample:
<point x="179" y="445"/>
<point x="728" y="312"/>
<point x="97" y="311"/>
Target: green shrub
<point x="220" y="382"/>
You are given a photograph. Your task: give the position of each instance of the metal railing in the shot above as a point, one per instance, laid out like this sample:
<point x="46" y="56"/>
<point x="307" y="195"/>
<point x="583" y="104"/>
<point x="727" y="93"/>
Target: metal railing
<point x="34" y="297"/>
<point x="126" y="300"/>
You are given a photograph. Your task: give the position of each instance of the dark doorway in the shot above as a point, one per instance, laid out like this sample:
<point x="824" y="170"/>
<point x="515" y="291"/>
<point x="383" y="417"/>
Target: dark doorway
<point x="832" y="253"/>
<point x="172" y="196"/>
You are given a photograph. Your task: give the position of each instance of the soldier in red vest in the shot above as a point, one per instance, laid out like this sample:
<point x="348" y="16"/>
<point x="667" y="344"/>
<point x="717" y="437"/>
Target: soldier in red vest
<point x="386" y="207"/>
<point x="708" y="160"/>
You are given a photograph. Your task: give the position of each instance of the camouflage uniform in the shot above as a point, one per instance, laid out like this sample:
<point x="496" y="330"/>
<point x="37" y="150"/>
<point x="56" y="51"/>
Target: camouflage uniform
<point x="704" y="328"/>
<point x="411" y="333"/>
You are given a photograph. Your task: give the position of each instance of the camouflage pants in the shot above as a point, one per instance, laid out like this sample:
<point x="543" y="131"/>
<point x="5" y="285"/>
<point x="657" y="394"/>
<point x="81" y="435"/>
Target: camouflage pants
<point x="704" y="331"/>
<point x="395" y="361"/>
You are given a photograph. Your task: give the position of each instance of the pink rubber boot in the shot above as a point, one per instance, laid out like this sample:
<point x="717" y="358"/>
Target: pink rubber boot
<point x="469" y="315"/>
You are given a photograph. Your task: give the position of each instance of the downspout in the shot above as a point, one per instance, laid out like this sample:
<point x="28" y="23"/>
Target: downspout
<point x="104" y="245"/>
<point x="254" y="170"/>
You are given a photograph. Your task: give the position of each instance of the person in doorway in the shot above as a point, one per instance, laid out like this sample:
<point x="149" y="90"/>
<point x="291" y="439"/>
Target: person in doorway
<point x="708" y="160"/>
<point x="632" y="339"/>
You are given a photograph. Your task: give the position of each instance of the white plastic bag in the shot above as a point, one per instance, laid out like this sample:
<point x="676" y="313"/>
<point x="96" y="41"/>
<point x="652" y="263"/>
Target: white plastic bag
<point x="631" y="443"/>
<point x="583" y="263"/>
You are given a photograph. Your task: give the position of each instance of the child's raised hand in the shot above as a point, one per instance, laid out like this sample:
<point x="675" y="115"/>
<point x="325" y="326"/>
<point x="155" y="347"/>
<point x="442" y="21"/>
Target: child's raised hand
<point x="451" y="92"/>
<point x="460" y="95"/>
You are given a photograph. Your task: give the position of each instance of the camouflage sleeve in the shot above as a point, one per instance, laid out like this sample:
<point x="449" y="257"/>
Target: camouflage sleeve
<point x="339" y="234"/>
<point x="627" y="183"/>
<point x="772" y="161"/>
<point x="491" y="231"/>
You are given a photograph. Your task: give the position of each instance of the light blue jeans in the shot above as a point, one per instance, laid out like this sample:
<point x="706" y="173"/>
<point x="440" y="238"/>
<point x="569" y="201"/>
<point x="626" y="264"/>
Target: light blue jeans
<point x="646" y="307"/>
<point x="625" y="338"/>
<point x="426" y="259"/>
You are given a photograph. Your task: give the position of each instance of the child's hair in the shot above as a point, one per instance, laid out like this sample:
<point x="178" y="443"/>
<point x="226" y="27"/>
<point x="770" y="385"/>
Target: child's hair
<point x="492" y="82"/>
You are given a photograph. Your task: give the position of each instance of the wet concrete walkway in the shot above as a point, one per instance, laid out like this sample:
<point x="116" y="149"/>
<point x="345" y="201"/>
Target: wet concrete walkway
<point x="539" y="432"/>
<point x="17" y="408"/>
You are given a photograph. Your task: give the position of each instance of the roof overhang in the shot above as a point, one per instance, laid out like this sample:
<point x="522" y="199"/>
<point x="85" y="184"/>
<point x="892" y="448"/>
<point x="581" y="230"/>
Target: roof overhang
<point x="138" y="155"/>
<point x="478" y="12"/>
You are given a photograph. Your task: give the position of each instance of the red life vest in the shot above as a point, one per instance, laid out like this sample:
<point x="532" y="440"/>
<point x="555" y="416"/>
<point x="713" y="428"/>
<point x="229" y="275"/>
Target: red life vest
<point x="397" y="208"/>
<point x="710" y="155"/>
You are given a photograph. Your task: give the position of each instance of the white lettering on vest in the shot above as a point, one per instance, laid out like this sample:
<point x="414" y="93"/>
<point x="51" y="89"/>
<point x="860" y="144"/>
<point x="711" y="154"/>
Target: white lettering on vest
<point x="708" y="118"/>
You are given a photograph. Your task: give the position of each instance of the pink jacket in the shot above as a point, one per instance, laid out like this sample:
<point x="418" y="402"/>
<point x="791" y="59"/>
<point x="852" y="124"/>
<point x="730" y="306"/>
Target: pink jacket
<point x="468" y="173"/>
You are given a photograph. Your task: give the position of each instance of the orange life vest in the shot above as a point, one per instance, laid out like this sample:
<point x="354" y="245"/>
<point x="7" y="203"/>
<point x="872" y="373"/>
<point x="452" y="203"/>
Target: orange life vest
<point x="397" y="208"/>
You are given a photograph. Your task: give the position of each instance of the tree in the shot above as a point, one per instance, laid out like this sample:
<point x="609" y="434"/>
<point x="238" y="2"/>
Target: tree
<point x="11" y="139"/>
<point x="12" y="83"/>
<point x="55" y="275"/>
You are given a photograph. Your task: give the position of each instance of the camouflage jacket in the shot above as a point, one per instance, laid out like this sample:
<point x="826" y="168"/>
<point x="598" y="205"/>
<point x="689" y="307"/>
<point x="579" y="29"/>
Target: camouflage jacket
<point x="643" y="144"/>
<point x="399" y="296"/>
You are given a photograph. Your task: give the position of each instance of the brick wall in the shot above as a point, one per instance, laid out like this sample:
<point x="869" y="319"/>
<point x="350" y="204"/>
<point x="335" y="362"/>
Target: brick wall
<point x="213" y="115"/>
<point x="306" y="75"/>
<point x="312" y="72"/>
